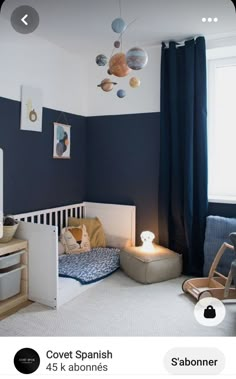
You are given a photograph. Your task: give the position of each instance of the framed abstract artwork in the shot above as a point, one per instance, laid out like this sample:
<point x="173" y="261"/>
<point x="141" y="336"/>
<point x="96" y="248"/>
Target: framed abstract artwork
<point x="61" y="141"/>
<point x="31" y="109"/>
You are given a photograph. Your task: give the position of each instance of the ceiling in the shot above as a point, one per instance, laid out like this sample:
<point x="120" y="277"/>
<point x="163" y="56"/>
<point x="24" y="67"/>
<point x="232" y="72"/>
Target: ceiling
<point x="85" y="25"/>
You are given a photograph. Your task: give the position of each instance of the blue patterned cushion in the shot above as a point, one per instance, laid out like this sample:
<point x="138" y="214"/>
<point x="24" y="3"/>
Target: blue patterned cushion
<point x="91" y="266"/>
<point x="217" y="232"/>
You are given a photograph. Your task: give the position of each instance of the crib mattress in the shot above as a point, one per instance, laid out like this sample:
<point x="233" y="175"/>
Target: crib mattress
<point x="90" y="266"/>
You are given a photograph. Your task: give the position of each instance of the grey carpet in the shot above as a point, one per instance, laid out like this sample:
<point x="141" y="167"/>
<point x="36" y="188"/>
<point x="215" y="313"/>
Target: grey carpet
<point x="118" y="306"/>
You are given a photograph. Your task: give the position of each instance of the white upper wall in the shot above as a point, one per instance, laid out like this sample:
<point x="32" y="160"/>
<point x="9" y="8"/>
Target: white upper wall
<point x="29" y="60"/>
<point x="65" y="68"/>
<point x="144" y="99"/>
<point x="68" y="82"/>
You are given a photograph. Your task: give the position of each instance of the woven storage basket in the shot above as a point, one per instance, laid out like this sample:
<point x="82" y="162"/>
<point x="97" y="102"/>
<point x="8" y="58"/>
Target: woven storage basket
<point x="8" y="233"/>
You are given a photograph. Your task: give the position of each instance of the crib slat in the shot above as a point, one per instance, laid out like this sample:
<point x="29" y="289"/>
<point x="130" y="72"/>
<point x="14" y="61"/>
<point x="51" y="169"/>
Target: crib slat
<point x="61" y="219"/>
<point x="50" y="218"/>
<point x="54" y="216"/>
<point x="67" y="215"/>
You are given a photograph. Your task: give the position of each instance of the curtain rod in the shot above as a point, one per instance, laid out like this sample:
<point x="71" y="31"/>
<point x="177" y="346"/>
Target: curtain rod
<point x="209" y="39"/>
<point x="180" y="43"/>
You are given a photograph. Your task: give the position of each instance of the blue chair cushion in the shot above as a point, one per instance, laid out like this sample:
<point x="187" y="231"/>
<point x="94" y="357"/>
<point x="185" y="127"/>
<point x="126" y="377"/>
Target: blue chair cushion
<point x="217" y="231"/>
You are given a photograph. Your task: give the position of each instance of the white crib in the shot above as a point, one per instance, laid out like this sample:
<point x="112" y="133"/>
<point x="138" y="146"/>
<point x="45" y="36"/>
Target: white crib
<point x="42" y="228"/>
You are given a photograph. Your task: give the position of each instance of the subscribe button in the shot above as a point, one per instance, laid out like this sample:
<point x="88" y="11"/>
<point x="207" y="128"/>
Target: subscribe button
<point x="194" y="361"/>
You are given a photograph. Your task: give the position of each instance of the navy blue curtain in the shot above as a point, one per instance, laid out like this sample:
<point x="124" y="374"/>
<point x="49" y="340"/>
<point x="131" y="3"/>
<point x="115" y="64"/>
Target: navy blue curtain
<point x="182" y="193"/>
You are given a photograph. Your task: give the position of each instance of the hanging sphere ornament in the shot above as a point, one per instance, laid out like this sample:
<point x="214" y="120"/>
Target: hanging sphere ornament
<point x="101" y="60"/>
<point x="136" y="58"/>
<point x="121" y="93"/>
<point x="118" y="65"/>
<point x="134" y="82"/>
<point x="117" y="44"/>
<point x="118" y="25"/>
<point x="106" y="85"/>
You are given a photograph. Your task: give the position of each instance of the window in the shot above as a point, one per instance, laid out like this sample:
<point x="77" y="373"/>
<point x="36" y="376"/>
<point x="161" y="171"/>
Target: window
<point x="222" y="130"/>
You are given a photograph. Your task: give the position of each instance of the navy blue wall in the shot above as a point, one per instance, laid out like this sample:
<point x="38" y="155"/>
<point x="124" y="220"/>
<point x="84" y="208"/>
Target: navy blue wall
<point x="123" y="162"/>
<point x="224" y="210"/>
<point x="122" y="166"/>
<point x="32" y="178"/>
<point x="114" y="159"/>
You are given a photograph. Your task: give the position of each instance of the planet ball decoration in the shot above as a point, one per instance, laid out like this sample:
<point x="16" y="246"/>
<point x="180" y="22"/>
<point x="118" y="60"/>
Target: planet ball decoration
<point x="136" y="58"/>
<point x="101" y="60"/>
<point x="121" y="93"/>
<point x="106" y="85"/>
<point x="117" y="44"/>
<point x="134" y="82"/>
<point x="118" y="25"/>
<point x="118" y="65"/>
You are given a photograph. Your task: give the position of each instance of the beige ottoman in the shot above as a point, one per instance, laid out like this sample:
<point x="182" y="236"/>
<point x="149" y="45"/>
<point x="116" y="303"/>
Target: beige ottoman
<point x="150" y="267"/>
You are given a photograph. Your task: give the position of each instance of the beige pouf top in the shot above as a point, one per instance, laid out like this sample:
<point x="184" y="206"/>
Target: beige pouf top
<point x="156" y="254"/>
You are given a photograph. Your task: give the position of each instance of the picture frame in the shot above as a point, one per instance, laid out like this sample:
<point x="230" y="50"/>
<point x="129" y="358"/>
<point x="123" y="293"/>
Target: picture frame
<point x="31" y="109"/>
<point x="61" y="141"/>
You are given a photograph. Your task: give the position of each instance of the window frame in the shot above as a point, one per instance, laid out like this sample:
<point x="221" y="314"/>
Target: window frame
<point x="213" y="64"/>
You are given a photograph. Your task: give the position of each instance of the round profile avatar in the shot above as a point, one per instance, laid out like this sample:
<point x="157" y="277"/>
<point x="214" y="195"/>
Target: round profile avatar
<point x="26" y="361"/>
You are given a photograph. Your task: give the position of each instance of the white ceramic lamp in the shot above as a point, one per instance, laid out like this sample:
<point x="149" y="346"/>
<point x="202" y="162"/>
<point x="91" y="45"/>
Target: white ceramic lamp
<point x="147" y="238"/>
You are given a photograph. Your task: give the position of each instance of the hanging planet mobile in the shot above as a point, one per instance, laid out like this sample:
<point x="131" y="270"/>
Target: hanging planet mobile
<point x="121" y="64"/>
<point x="134" y="82"/>
<point x="121" y="93"/>
<point x="136" y="58"/>
<point x="117" y="44"/>
<point x="106" y="85"/>
<point x="101" y="60"/>
<point x="118" y="25"/>
<point x="118" y="65"/>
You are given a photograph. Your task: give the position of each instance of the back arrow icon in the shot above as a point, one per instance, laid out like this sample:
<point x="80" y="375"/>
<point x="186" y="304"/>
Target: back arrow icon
<point x="24" y="18"/>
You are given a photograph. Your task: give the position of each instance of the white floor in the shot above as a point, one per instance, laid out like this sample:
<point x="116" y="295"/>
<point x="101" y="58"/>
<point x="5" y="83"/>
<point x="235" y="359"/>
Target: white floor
<point x="118" y="306"/>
